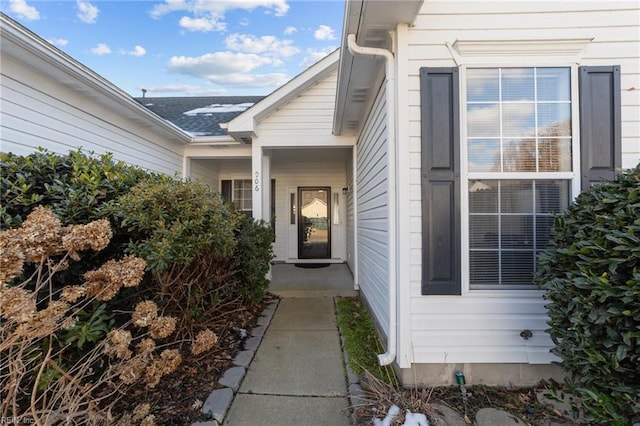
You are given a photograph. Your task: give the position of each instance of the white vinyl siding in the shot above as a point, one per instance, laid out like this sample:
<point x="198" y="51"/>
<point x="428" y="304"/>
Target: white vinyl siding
<point x="39" y="111"/>
<point x="206" y="171"/>
<point x="373" y="211"/>
<point x="308" y="115"/>
<point x="485" y="326"/>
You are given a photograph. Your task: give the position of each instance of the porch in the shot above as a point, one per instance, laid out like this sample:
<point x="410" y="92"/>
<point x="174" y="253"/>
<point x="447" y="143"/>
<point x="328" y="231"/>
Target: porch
<point x="289" y="280"/>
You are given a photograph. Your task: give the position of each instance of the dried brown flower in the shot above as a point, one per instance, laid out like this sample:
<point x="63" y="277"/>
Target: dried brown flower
<point x="146" y="346"/>
<point x="95" y="235"/>
<point x="41" y="235"/>
<point x="141" y="411"/>
<point x="150" y="420"/>
<point x="131" y="371"/>
<point x="17" y="304"/>
<point x="11" y="256"/>
<point x="204" y="341"/>
<point x="106" y="281"/>
<point x="145" y="312"/>
<point x="68" y="323"/>
<point x="162" y="327"/>
<point x="72" y="293"/>
<point x="118" y="344"/>
<point x="170" y="360"/>
<point x="44" y="322"/>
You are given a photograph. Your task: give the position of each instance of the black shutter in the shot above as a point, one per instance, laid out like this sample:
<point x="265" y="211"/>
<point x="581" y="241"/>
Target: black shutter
<point x="440" y="124"/>
<point x="225" y="190"/>
<point x="600" y="121"/>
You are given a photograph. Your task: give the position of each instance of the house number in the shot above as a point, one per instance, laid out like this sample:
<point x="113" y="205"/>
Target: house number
<point x="257" y="181"/>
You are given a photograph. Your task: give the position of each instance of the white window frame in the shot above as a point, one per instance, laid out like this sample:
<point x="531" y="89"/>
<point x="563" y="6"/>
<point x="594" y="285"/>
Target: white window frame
<point x="573" y="176"/>
<point x="234" y="178"/>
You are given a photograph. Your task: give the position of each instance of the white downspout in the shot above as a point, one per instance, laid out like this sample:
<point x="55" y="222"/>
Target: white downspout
<point x="390" y="97"/>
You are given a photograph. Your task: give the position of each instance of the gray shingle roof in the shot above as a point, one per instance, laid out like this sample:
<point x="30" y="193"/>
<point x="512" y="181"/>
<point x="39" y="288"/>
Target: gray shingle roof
<point x="199" y="115"/>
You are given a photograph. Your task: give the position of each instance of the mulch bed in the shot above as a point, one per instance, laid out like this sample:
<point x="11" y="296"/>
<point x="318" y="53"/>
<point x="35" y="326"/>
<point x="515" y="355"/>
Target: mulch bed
<point x="176" y="400"/>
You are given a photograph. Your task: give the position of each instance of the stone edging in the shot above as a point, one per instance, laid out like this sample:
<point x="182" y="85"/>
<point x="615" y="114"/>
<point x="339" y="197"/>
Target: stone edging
<point x="218" y="403"/>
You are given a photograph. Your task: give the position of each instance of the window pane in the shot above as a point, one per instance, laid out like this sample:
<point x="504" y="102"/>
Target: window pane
<point x="484" y="155"/>
<point x="544" y="226"/>
<point x="483" y="231"/>
<point x="517" y="84"/>
<point x="553" y="84"/>
<point x="554" y="155"/>
<point x="518" y="120"/>
<point x="242" y="194"/>
<point x="519" y="155"/>
<point x="482" y="85"/>
<point x="554" y="120"/>
<point x="516" y="232"/>
<point x="483" y="121"/>
<point x="552" y="196"/>
<point x="516" y="196"/>
<point x="483" y="196"/>
<point x="517" y="267"/>
<point x="483" y="267"/>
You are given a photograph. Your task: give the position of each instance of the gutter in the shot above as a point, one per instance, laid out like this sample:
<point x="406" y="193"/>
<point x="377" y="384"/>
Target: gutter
<point x="390" y="97"/>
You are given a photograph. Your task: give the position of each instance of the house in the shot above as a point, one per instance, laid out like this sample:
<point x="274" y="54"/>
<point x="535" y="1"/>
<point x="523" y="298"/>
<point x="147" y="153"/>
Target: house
<point x="432" y="148"/>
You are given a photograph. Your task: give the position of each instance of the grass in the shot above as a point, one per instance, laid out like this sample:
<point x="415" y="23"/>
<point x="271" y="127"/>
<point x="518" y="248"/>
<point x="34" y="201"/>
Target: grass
<point x="361" y="340"/>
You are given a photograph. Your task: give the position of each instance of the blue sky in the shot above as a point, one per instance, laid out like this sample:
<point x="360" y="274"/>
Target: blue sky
<point x="188" y="47"/>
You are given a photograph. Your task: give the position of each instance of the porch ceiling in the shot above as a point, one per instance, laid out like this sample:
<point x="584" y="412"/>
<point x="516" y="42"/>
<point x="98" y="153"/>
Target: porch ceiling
<point x="316" y="155"/>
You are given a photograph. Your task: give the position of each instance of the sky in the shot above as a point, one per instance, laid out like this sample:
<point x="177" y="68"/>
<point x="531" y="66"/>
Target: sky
<point x="188" y="47"/>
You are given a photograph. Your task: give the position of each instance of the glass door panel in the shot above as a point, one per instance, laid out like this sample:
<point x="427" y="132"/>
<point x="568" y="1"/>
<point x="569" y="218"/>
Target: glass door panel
<point x="314" y="223"/>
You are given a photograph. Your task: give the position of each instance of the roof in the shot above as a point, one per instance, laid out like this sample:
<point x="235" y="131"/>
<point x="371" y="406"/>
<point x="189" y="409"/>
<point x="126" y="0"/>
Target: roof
<point x="199" y="115"/>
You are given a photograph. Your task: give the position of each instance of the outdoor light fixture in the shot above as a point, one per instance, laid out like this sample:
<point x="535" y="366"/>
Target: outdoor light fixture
<point x="345" y="190"/>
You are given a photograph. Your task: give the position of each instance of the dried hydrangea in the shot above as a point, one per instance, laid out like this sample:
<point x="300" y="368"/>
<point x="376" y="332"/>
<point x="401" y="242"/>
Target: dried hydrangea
<point x="146" y="346"/>
<point x="131" y="371"/>
<point x="41" y="235"/>
<point x="150" y="420"/>
<point x="44" y="322"/>
<point x="105" y="282"/>
<point x="72" y="293"/>
<point x="17" y="304"/>
<point x="204" y="341"/>
<point x="141" y="411"/>
<point x="94" y="235"/>
<point x="118" y="344"/>
<point x="162" y="327"/>
<point x="169" y="361"/>
<point x="68" y="323"/>
<point x="144" y="313"/>
<point x="11" y="256"/>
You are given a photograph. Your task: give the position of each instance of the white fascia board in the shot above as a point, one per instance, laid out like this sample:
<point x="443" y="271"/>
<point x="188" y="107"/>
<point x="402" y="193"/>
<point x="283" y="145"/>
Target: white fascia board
<point x="20" y="42"/>
<point x="247" y="122"/>
<point x="214" y="140"/>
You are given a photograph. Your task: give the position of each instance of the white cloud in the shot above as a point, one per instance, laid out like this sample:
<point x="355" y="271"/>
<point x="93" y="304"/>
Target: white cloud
<point x="58" y="41"/>
<point x="324" y="32"/>
<point x="101" y="49"/>
<point x="87" y="12"/>
<point x="269" y="45"/>
<point x="290" y="30"/>
<point x="244" y="22"/>
<point x="210" y="23"/>
<point x="137" y="51"/>
<point x="314" y="55"/>
<point x="209" y="15"/>
<point x="228" y="68"/>
<point x="23" y="10"/>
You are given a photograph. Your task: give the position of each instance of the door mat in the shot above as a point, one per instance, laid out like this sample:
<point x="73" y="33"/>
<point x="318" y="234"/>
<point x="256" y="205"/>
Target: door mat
<point x="312" y="265"/>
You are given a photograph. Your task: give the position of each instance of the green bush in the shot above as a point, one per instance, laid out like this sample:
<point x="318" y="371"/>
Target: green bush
<point x="75" y="186"/>
<point x="252" y="258"/>
<point x="591" y="278"/>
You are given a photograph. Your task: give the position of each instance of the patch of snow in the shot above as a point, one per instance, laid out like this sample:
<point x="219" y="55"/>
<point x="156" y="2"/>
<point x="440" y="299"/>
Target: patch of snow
<point x="415" y="419"/>
<point x="197" y="133"/>
<point x="148" y="104"/>
<point x="410" y="419"/>
<point x="219" y="108"/>
<point x="393" y="412"/>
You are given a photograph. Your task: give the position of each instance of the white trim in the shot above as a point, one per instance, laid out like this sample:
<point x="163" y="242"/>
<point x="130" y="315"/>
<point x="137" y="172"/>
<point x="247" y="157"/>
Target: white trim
<point x="354" y="201"/>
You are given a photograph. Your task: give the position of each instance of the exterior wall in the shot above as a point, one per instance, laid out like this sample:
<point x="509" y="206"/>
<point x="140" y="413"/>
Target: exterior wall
<point x="351" y="216"/>
<point x="484" y="326"/>
<point x="39" y="111"/>
<point x="310" y="114"/>
<point x="299" y="168"/>
<point x="373" y="212"/>
<point x="207" y="171"/>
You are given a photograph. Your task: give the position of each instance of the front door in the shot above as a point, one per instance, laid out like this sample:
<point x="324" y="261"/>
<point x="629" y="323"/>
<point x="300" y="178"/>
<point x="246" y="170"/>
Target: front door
<point x="314" y="223"/>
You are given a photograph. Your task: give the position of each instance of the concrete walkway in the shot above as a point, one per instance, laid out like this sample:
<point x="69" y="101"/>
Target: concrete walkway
<point x="297" y="376"/>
